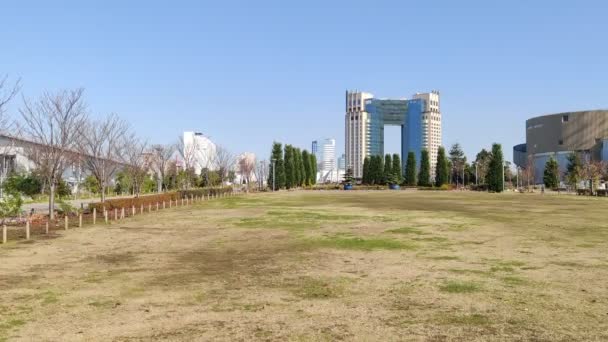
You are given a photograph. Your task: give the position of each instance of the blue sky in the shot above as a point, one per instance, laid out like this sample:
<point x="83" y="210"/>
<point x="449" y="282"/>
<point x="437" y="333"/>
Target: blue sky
<point x="247" y="73"/>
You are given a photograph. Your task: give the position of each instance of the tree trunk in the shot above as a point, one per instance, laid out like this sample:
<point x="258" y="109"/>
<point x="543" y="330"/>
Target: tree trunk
<point x="103" y="192"/>
<point x="52" y="200"/>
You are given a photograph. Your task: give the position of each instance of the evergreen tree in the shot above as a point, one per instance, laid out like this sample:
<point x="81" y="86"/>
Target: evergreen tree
<point x="365" y="177"/>
<point x="313" y="166"/>
<point x="410" y="169"/>
<point x="296" y="168"/>
<point x="307" y="169"/>
<point x="551" y="175"/>
<point x="302" y="169"/>
<point x="290" y="172"/>
<point x="379" y="172"/>
<point x="397" y="169"/>
<point x="574" y="172"/>
<point x="495" y="178"/>
<point x="457" y="159"/>
<point x="441" y="169"/>
<point x="278" y="162"/>
<point x="387" y="173"/>
<point x="424" y="175"/>
<point x="299" y="167"/>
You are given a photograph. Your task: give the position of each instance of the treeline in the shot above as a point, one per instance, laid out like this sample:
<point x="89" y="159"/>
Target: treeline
<point x="487" y="172"/>
<point x="292" y="167"/>
<point x="389" y="171"/>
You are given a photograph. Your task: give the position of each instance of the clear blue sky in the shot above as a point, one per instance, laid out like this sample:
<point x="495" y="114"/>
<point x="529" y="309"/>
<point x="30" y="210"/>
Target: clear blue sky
<point x="247" y="73"/>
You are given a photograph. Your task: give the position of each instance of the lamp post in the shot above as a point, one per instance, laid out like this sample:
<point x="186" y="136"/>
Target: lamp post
<point x="503" y="176"/>
<point x="274" y="167"/>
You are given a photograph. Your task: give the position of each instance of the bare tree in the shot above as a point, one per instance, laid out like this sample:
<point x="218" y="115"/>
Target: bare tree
<point x="7" y="93"/>
<point x="261" y="173"/>
<point x="138" y="161"/>
<point x="224" y="160"/>
<point x="188" y="152"/>
<point x="102" y="147"/>
<point x="161" y="155"/>
<point x="8" y="128"/>
<point x="53" y="123"/>
<point x="246" y="167"/>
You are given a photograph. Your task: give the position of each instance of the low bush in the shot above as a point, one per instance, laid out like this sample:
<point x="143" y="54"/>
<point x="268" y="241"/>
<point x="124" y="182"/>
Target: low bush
<point x="146" y="200"/>
<point x="444" y="187"/>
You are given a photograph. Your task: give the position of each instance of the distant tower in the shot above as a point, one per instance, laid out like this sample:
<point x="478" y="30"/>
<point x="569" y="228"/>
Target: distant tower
<point x="366" y="116"/>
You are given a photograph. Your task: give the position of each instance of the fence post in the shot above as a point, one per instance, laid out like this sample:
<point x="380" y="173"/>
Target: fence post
<point x="3" y="233"/>
<point x="80" y="220"/>
<point x="27" y="229"/>
<point x="132" y="210"/>
<point x="170" y="202"/>
<point x="182" y="201"/>
<point x="149" y="207"/>
<point x="164" y="205"/>
<point x="94" y="215"/>
<point x="105" y="215"/>
<point x="66" y="222"/>
<point x="46" y="228"/>
<point x="141" y="211"/>
<point x="115" y="214"/>
<point x="122" y="213"/>
<point x="156" y="206"/>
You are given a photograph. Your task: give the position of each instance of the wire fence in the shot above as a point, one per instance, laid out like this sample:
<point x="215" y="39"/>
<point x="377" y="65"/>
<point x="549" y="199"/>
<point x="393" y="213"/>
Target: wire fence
<point x="26" y="228"/>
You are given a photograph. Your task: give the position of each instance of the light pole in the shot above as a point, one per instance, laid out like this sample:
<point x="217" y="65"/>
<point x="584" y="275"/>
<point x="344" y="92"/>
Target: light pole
<point x="274" y="167"/>
<point x="503" y="176"/>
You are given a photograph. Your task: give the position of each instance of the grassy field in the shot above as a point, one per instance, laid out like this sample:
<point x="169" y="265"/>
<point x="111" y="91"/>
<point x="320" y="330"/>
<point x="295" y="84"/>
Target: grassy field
<point x="321" y="266"/>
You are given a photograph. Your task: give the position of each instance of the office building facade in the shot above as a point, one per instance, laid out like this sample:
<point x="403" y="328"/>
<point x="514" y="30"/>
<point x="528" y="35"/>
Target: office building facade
<point x="559" y="135"/>
<point x="366" y="116"/>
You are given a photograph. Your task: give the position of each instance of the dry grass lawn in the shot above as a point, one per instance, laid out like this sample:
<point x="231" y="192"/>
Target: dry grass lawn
<point x="321" y="266"/>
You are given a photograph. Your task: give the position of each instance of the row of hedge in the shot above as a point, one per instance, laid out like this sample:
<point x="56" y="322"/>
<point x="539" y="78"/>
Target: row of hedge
<point x="146" y="200"/>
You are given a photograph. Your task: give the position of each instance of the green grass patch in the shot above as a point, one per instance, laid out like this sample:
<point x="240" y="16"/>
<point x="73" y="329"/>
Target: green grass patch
<point x="407" y="230"/>
<point x="507" y="269"/>
<point x="103" y="304"/>
<point x="444" y="257"/>
<point x="514" y="281"/>
<point x="469" y="320"/>
<point x="455" y="286"/>
<point x="317" y="288"/>
<point x="359" y="244"/>
<point x="467" y="271"/>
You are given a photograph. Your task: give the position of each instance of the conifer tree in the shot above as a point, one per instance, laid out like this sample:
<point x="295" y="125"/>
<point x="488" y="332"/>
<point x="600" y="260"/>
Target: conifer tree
<point x="307" y="169"/>
<point x="441" y="169"/>
<point x="387" y="173"/>
<point x="397" y="168"/>
<point x="278" y="162"/>
<point x="365" y="176"/>
<point x="424" y="175"/>
<point x="410" y="169"/>
<point x="496" y="169"/>
<point x="551" y="175"/>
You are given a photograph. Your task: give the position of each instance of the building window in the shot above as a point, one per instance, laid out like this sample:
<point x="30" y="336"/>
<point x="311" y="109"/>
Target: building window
<point x="564" y="118"/>
<point x="560" y="142"/>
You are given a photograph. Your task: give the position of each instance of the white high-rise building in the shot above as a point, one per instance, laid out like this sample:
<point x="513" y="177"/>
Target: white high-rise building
<point x="326" y="159"/>
<point x="366" y="116"/>
<point x="431" y="126"/>
<point x="356" y="131"/>
<point x="198" y="152"/>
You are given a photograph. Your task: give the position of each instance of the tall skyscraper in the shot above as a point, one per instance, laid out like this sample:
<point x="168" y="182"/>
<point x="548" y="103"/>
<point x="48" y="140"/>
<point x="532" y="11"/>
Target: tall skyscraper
<point x="325" y="151"/>
<point x="366" y="116"/>
<point x="315" y="147"/>
<point x="198" y="152"/>
<point x="342" y="162"/>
